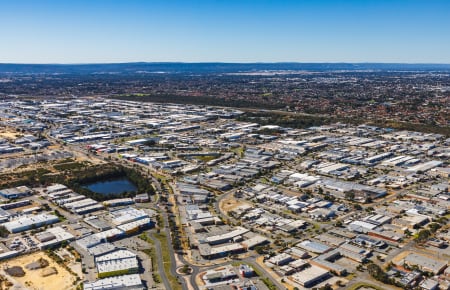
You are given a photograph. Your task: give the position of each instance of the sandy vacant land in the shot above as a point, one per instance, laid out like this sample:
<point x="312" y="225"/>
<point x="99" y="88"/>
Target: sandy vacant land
<point x="230" y="203"/>
<point x="33" y="279"/>
<point x="80" y="157"/>
<point x="9" y="135"/>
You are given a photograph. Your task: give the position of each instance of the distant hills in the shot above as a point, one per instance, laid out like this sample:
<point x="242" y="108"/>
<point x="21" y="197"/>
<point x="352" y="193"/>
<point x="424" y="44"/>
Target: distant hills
<point x="208" y="68"/>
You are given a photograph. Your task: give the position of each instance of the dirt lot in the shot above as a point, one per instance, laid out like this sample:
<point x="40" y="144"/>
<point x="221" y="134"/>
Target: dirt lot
<point x="79" y="157"/>
<point x="34" y="280"/>
<point x="230" y="203"/>
<point x="10" y="135"/>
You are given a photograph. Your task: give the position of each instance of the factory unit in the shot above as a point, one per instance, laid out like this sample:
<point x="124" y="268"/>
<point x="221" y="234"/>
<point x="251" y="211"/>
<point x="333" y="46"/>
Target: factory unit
<point x="208" y="252"/>
<point x="216" y="276"/>
<point x="424" y="263"/>
<point x="117" y="263"/>
<point x="55" y="196"/>
<point x="16" y="204"/>
<point x="123" y="282"/>
<point x="15" y="192"/>
<point x="29" y="222"/>
<point x="9" y="254"/>
<point x="139" y="198"/>
<point x="226" y="237"/>
<point x="88" y="242"/>
<point x="189" y="189"/>
<point x="89" y="209"/>
<point x="423" y="167"/>
<point x="6" y="149"/>
<point x="72" y="206"/>
<point x="70" y="199"/>
<point x="98" y="238"/>
<point x="310" y="276"/>
<point x="76" y="203"/>
<point x="359" y="189"/>
<point x="101" y="249"/>
<point x="127" y="215"/>
<point x="118" y="202"/>
<point x="53" y="237"/>
<point x="55" y="188"/>
<point x="136" y="226"/>
<point x="281" y="259"/>
<point x="110" y="235"/>
<point x="97" y="223"/>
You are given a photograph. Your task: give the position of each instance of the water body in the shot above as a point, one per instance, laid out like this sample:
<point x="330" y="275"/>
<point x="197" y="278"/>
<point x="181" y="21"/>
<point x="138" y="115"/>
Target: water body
<point x="112" y="186"/>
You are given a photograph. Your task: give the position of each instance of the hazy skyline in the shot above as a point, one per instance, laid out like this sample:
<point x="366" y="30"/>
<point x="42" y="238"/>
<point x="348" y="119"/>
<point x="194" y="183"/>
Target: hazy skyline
<point x="103" y="31"/>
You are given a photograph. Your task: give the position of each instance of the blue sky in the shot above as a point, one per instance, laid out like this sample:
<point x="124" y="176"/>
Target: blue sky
<point x="88" y="31"/>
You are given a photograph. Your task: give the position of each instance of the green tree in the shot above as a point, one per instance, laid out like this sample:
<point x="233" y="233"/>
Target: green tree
<point x="3" y="232"/>
<point x="377" y="273"/>
<point x="423" y="236"/>
<point x="434" y="227"/>
<point x="350" y="195"/>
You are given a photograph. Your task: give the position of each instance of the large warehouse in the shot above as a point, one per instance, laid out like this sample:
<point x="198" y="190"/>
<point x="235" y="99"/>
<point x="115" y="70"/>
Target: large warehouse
<point x="29" y="222"/>
<point x="310" y="276"/>
<point x="15" y="192"/>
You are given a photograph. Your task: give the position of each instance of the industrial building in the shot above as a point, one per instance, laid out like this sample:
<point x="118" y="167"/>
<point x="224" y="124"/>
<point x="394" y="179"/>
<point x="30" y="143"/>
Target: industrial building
<point x="123" y="282"/>
<point x="15" y="192"/>
<point x="28" y="222"/>
<point x="116" y="263"/>
<point x="135" y="226"/>
<point x="127" y="215"/>
<point x="118" y="202"/>
<point x="310" y="276"/>
<point x="53" y="237"/>
<point x="425" y="263"/>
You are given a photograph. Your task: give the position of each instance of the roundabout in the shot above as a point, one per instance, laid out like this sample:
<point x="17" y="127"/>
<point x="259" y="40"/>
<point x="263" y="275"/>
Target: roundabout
<point x="184" y="270"/>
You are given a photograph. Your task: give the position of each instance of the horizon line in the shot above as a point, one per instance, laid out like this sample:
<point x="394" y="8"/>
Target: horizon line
<point x="218" y="62"/>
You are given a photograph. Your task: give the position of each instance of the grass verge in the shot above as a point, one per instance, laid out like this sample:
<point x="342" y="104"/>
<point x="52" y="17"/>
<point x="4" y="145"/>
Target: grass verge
<point x="361" y="285"/>
<point x="166" y="261"/>
<point x="151" y="253"/>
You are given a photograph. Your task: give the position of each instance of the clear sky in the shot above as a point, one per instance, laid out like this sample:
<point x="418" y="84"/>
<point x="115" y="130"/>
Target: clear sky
<point x="88" y="31"/>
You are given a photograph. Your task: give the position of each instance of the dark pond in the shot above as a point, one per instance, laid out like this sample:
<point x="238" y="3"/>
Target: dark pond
<point x="112" y="186"/>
